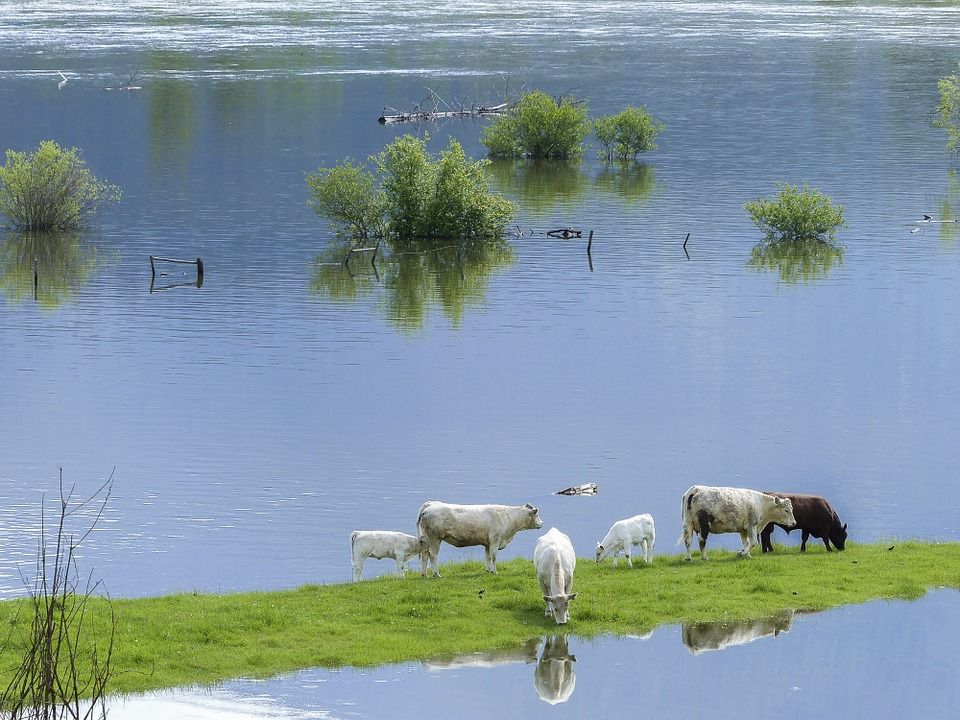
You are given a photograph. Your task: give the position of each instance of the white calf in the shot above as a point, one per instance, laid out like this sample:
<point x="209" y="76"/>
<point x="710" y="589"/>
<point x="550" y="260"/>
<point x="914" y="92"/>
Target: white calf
<point x="380" y="544"/>
<point x="624" y="534"/>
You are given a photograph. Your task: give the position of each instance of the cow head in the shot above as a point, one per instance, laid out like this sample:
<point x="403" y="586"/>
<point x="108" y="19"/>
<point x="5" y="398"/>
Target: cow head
<point x="838" y="534"/>
<point x="533" y="517"/>
<point x="561" y="606"/>
<point x="599" y="552"/>
<point x="783" y="512"/>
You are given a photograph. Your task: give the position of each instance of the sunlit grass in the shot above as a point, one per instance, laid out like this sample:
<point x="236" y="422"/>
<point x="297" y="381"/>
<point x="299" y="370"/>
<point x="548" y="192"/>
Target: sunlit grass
<point x="197" y="638"/>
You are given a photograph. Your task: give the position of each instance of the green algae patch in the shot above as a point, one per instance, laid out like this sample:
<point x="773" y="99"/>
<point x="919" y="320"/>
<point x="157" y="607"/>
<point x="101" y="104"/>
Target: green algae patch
<point x="192" y="639"/>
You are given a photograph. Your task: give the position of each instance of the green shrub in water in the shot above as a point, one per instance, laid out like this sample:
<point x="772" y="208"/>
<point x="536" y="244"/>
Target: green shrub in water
<point x="539" y="126"/>
<point x="627" y="134"/>
<point x="50" y="189"/>
<point x="796" y="214"/>
<point x="948" y="110"/>
<point x="413" y="195"/>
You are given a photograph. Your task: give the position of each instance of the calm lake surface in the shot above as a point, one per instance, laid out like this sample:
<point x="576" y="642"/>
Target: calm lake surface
<point x="254" y="422"/>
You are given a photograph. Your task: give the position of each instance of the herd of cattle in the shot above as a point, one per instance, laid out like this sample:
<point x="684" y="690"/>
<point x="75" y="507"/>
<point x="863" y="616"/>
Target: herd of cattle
<point x="704" y="510"/>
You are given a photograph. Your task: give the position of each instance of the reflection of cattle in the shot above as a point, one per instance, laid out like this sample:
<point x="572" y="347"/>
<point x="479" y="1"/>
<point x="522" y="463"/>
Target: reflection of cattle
<point x="624" y="534"/>
<point x="492" y="526"/>
<point x="701" y="637"/>
<point x="554" y="678"/>
<point x="708" y="510"/>
<point x="526" y="653"/>
<point x="380" y="544"/>
<point x="554" y="560"/>
<point x="814" y="516"/>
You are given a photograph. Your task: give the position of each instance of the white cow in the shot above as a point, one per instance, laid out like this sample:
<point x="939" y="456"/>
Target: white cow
<point x="708" y="510"/>
<point x="624" y="534"/>
<point x="380" y="544"/>
<point x="492" y="526"/>
<point x="555" y="562"/>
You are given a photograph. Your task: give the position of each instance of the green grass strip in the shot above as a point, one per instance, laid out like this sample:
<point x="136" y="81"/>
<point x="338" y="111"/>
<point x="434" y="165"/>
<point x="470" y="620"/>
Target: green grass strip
<point x="193" y="639"/>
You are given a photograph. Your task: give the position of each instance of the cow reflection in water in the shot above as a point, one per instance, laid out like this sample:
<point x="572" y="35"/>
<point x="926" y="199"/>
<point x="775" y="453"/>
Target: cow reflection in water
<point x="701" y="637"/>
<point x="554" y="678"/>
<point x="526" y="653"/>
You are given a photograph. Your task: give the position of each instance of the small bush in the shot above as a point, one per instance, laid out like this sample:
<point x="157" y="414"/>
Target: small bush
<point x="628" y="133"/>
<point x="539" y="127"/>
<point x="948" y="110"/>
<point x="50" y="189"/>
<point x="412" y="196"/>
<point x="347" y="196"/>
<point x="796" y="214"/>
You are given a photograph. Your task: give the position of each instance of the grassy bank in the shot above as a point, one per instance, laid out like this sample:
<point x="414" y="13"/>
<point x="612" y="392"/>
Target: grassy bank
<point x="195" y="638"/>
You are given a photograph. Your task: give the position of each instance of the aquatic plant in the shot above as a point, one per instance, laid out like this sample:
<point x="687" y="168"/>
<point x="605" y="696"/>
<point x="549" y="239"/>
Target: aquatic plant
<point x="627" y="134"/>
<point x="413" y="195"/>
<point x="51" y="188"/>
<point x="948" y="110"/>
<point x="539" y="126"/>
<point x="796" y="214"/>
<point x="62" y="665"/>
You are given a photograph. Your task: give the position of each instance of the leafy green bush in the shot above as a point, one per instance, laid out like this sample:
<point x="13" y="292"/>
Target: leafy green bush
<point x="628" y="133"/>
<point x="413" y="195"/>
<point x="948" y="110"/>
<point x="347" y="195"/>
<point x="539" y="127"/>
<point x="796" y="214"/>
<point x="50" y="189"/>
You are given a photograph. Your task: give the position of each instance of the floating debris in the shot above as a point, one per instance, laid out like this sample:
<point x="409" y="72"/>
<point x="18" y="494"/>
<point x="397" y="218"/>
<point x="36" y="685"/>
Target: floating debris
<point x="585" y="489"/>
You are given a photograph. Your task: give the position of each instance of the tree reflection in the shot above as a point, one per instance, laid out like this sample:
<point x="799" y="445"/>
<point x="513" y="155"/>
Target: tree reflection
<point x="632" y="181"/>
<point x="415" y="277"/>
<point x="950" y="209"/>
<point x="541" y="186"/>
<point x="60" y="263"/>
<point x="796" y="260"/>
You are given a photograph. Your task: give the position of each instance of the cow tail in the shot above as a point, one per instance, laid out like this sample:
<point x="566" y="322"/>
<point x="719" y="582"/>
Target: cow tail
<point x="685" y="503"/>
<point x="353" y="539"/>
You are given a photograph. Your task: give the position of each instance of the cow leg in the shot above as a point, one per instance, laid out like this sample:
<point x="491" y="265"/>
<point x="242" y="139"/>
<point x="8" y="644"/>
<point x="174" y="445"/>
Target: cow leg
<point x="616" y="557"/>
<point x="428" y="559"/>
<point x="627" y="551"/>
<point x="357" y="570"/>
<point x="803" y="541"/>
<point x="687" y="538"/>
<point x="765" y="544"/>
<point x="399" y="566"/>
<point x="491" y="558"/>
<point x="703" y="542"/>
<point x="826" y="542"/>
<point x="747" y="539"/>
<point x="549" y="611"/>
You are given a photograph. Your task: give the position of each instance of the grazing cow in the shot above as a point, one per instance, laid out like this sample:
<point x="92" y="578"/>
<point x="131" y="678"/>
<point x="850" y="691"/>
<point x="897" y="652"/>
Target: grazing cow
<point x="624" y="534"/>
<point x="708" y="510"/>
<point x="701" y="637"/>
<point x="380" y="544"/>
<point x="492" y="526"/>
<point x="554" y="679"/>
<point x="814" y="516"/>
<point x="555" y="560"/>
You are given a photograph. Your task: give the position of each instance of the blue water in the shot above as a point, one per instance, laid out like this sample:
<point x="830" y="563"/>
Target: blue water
<point x="254" y="422"/>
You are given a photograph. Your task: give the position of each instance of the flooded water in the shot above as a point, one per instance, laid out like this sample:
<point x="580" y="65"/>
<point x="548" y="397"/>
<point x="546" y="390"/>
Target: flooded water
<point x="252" y="423"/>
<point x="833" y="664"/>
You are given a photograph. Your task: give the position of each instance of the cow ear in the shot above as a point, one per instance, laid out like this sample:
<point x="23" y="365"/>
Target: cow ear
<point x="528" y="506"/>
<point x="844" y="527"/>
<point x="546" y="598"/>
<point x="533" y="510"/>
<point x="778" y="500"/>
<point x="572" y="597"/>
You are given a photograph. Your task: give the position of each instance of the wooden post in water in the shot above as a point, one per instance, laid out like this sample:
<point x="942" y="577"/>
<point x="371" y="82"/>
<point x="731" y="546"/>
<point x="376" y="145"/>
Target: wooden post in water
<point x="685" y="246"/>
<point x="589" y="242"/>
<point x="199" y="272"/>
<point x="36" y="277"/>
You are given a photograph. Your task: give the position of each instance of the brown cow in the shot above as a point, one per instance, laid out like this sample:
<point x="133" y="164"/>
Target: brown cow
<point x="815" y="516"/>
